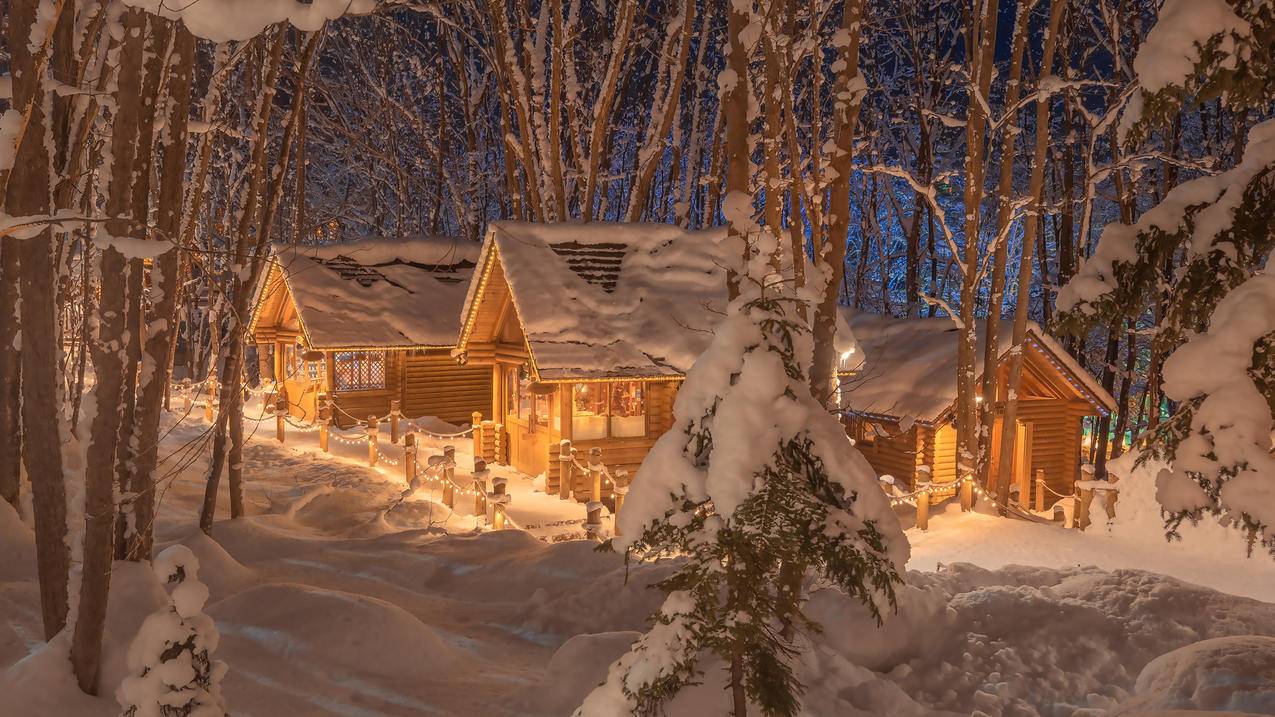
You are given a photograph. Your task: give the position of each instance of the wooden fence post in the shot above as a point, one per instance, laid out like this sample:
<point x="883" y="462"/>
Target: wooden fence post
<point x="325" y="421"/>
<point x="1040" y="490"/>
<point x="566" y="461"/>
<point x="409" y="457"/>
<point x="373" y="428"/>
<point x="476" y="420"/>
<point x="480" y="487"/>
<point x="449" y="475"/>
<point x="498" y="510"/>
<point x="923" y="510"/>
<point x="621" y="490"/>
<point x="185" y="390"/>
<point x="1084" y="497"/>
<point x="595" y="474"/>
<point x="394" y="417"/>
<point x="280" y="418"/>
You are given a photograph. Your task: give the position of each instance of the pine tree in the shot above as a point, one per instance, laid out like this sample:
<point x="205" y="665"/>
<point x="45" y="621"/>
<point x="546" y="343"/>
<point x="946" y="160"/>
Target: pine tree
<point x="174" y="674"/>
<point x="1216" y="317"/>
<point x="754" y="475"/>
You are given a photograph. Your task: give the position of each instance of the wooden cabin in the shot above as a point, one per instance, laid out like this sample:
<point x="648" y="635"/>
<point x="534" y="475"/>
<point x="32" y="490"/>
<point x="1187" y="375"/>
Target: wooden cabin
<point x="367" y="322"/>
<point x="900" y="404"/>
<point x="587" y="331"/>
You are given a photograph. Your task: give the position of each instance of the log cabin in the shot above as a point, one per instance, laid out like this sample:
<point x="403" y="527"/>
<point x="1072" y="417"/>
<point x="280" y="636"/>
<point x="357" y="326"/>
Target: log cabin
<point x="588" y="331"/>
<point x="368" y="322"/>
<point x="900" y="405"/>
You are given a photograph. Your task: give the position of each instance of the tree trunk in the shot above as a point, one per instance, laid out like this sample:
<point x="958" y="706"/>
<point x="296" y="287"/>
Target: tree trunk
<point x="26" y="194"/>
<point x="10" y="373"/>
<point x="1009" y="419"/>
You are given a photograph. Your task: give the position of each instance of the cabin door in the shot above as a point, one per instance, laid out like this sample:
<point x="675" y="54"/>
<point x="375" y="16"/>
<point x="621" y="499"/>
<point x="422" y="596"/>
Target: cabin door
<point x="1021" y="462"/>
<point x="527" y="422"/>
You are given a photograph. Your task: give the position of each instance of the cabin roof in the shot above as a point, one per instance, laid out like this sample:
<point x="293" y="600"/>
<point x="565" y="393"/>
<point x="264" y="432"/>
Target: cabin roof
<point x="909" y="366"/>
<point x="373" y="293"/>
<point x="609" y="300"/>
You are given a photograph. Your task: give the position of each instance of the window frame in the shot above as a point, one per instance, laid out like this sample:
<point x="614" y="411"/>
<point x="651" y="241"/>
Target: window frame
<point x="609" y="392"/>
<point x="359" y="359"/>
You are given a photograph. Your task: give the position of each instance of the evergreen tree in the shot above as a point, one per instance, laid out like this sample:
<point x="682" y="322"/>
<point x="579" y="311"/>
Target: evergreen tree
<point x="1217" y="231"/>
<point x="754" y="475"/>
<point x="174" y="674"/>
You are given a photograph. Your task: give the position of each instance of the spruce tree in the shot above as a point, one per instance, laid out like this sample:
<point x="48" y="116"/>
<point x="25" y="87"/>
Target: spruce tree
<point x="754" y="475"/>
<point x="174" y="674"/>
<point x="1217" y="231"/>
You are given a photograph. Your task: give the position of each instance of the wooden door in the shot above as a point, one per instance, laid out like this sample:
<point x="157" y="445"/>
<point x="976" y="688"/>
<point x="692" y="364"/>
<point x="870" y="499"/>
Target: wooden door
<point x="1023" y="461"/>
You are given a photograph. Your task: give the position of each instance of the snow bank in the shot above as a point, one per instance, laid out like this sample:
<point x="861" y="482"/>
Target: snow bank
<point x="17" y="543"/>
<point x="1225" y="673"/>
<point x="298" y="623"/>
<point x="576" y="667"/>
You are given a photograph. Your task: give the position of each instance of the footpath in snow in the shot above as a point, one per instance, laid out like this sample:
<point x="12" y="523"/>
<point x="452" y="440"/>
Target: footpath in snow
<point x="330" y="603"/>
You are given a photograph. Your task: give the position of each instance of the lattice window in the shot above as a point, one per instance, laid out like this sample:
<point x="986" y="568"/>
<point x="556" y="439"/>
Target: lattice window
<point x="359" y="370"/>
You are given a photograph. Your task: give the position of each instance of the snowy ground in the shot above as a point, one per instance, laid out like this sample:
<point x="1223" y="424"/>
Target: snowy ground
<point x="330" y="605"/>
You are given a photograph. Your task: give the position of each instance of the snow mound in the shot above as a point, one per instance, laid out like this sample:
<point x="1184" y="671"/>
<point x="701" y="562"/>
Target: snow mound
<point x="17" y="544"/>
<point x="577" y="667"/>
<point x="284" y="623"/>
<point x="42" y="684"/>
<point x="1225" y="673"/>
<point x="217" y="568"/>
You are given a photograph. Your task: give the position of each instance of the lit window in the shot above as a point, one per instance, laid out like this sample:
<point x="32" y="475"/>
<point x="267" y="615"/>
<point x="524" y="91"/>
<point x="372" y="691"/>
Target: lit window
<point x="524" y="394"/>
<point x="628" y="409"/>
<point x="589" y="411"/>
<point x="359" y="370"/>
<point x="608" y="409"/>
<point x="542" y="408"/>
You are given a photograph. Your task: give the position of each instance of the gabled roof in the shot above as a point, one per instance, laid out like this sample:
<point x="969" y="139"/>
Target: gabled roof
<point x="374" y="293"/>
<point x="909" y="367"/>
<point x="608" y="300"/>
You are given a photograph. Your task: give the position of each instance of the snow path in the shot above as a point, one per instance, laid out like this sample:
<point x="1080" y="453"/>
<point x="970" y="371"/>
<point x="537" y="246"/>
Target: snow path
<point x="328" y="605"/>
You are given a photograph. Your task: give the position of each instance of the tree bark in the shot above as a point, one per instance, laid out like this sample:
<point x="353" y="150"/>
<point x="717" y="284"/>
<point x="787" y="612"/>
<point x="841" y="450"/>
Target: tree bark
<point x="1009" y="419"/>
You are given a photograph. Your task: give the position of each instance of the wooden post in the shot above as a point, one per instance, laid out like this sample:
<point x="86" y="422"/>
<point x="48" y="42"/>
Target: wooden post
<point x="208" y="408"/>
<point x="185" y="390"/>
<point x="595" y="474"/>
<point x="373" y="428"/>
<point x="621" y="490"/>
<point x="394" y="416"/>
<point x="499" y="503"/>
<point x="498" y="447"/>
<point x="409" y="457"/>
<point x="923" y="510"/>
<point x="280" y="418"/>
<point x="1040" y="490"/>
<point x="480" y="487"/>
<point x="476" y="420"/>
<point x="449" y="475"/>
<point x="1084" y="497"/>
<point x="566" y="461"/>
<point x="325" y="421"/>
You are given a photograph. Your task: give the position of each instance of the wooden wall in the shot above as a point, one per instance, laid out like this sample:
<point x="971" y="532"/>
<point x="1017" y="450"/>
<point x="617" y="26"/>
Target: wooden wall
<point x="433" y="385"/>
<point x="894" y="455"/>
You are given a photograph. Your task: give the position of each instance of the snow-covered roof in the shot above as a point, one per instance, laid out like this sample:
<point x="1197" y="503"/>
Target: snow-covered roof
<point x="610" y="300"/>
<point x="379" y="292"/>
<point x="909" y="369"/>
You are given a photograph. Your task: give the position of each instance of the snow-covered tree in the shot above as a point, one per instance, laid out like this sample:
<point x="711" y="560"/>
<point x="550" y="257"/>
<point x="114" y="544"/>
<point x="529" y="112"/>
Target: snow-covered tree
<point x="173" y="673"/>
<point x="1218" y="440"/>
<point x="754" y="475"/>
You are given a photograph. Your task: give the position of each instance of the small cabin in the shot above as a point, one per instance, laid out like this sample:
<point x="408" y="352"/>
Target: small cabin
<point x="900" y="405"/>
<point x="368" y="322"/>
<point x="587" y="331"/>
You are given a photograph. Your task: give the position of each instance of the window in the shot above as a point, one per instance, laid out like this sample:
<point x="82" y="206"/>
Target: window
<point x="511" y="390"/>
<point x="360" y="370"/>
<point x="628" y="409"/>
<point x="617" y="410"/>
<point x="589" y="411"/>
<point x="524" y="393"/>
<point x="542" y="408"/>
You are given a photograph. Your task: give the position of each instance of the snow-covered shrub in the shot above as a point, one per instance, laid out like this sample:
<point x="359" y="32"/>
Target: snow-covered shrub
<point x="1218" y="228"/>
<point x="170" y="659"/>
<point x="755" y="483"/>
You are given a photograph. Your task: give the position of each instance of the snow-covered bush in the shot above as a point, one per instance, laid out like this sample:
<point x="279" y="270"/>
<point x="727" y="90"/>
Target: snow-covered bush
<point x="755" y="484"/>
<point x="1218" y="226"/>
<point x="174" y="674"/>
